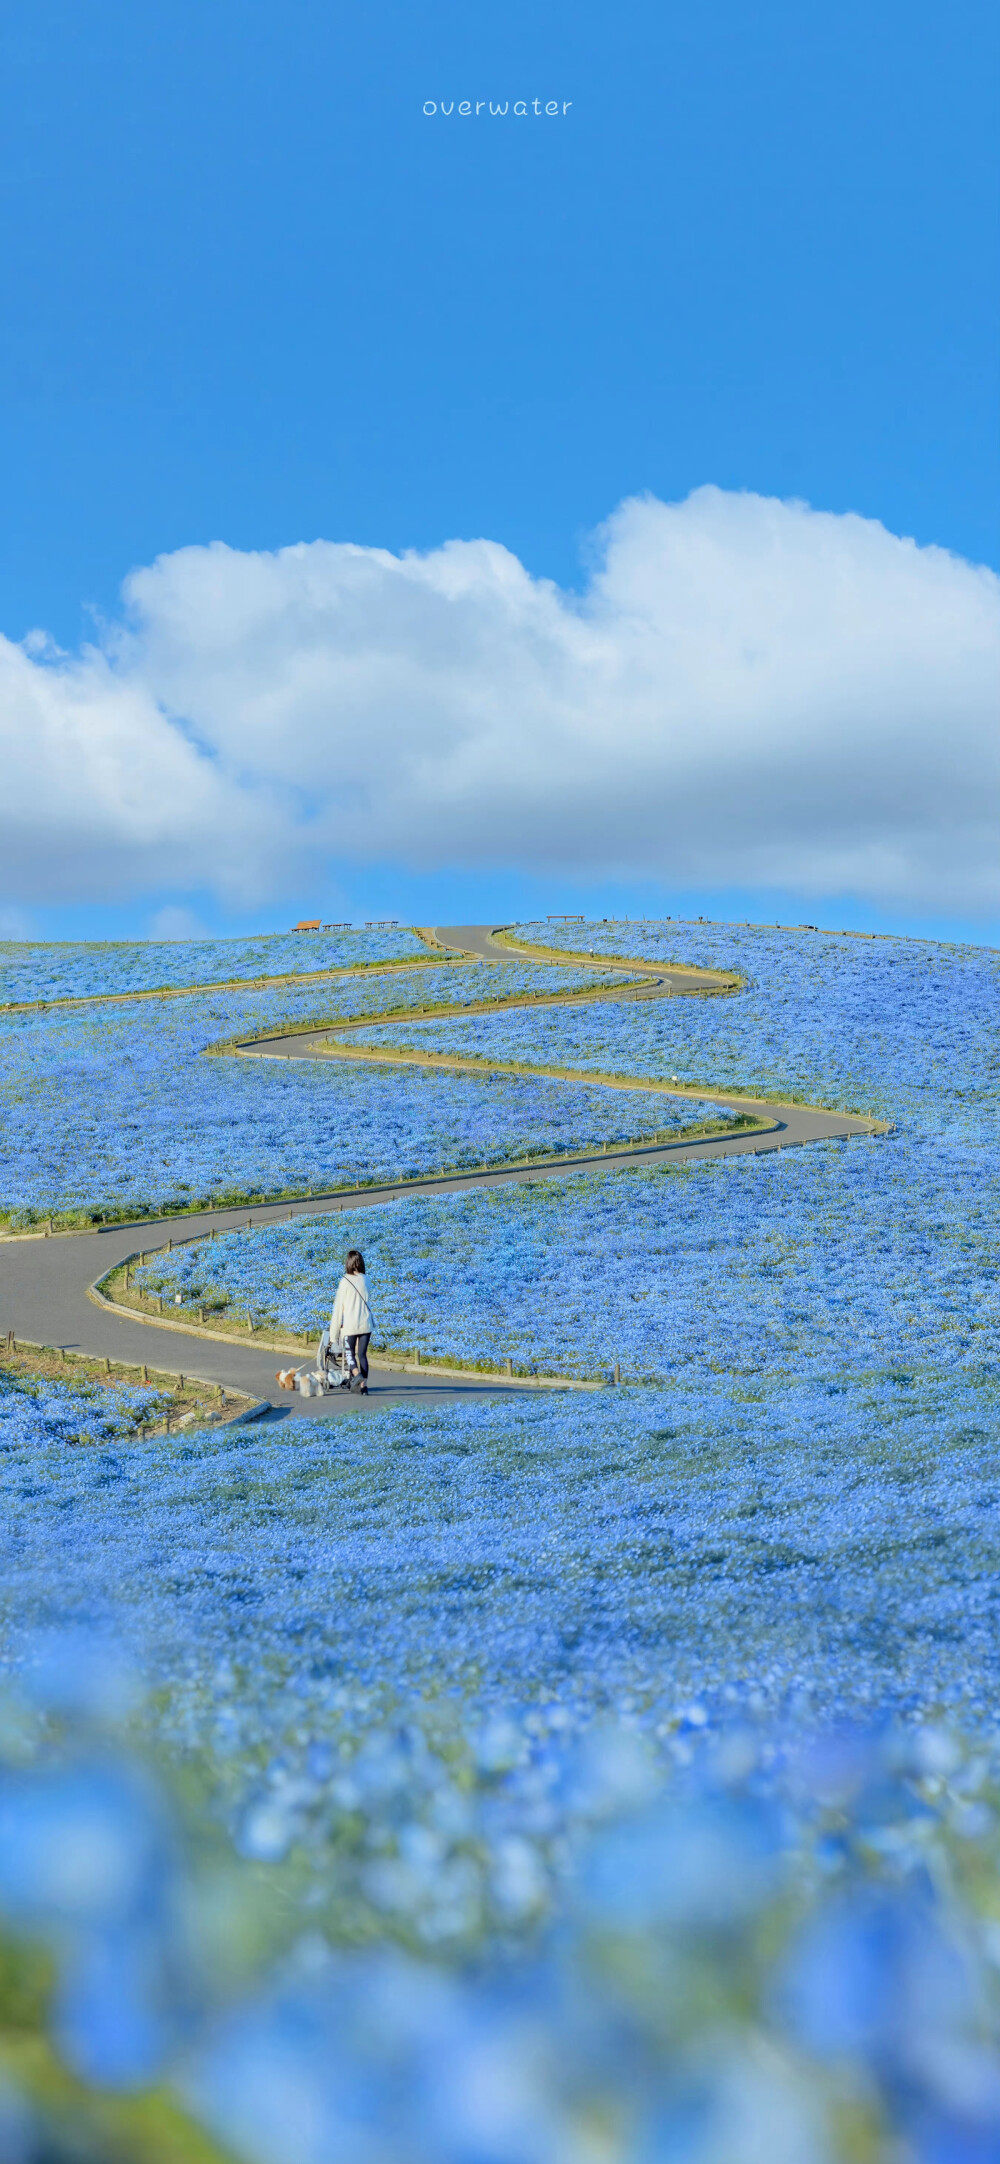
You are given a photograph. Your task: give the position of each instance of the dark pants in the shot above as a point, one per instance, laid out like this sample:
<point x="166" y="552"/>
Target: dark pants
<point x="358" y="1349"/>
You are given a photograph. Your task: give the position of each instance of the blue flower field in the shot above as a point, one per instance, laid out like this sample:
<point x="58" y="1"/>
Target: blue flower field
<point x="844" y="1257"/>
<point x="115" y="1110"/>
<point x="847" y="1256"/>
<point x="800" y="1547"/>
<point x="655" y="1878"/>
<point x="79" y="970"/>
<point x="899" y="1028"/>
<point x="593" y="1776"/>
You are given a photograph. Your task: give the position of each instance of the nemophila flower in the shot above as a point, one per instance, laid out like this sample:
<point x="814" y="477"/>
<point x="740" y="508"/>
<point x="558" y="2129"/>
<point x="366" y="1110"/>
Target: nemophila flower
<point x="902" y="1028"/>
<point x="786" y="1545"/>
<point x="846" y="1257"/>
<point x="117" y="1106"/>
<point x="865" y="1253"/>
<point x="87" y="1864"/>
<point x="643" y="1739"/>
<point x="80" y="968"/>
<point x="704" y="1866"/>
<point x="882" y="1974"/>
<point x="695" y="1987"/>
<point x="78" y="1676"/>
<point x="41" y="1413"/>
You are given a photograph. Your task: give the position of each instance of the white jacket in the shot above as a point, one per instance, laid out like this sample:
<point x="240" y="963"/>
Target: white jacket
<point x="352" y="1312"/>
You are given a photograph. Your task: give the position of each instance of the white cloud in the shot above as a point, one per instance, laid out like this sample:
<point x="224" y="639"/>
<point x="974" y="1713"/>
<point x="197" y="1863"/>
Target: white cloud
<point x="103" y="794"/>
<point x="748" y="692"/>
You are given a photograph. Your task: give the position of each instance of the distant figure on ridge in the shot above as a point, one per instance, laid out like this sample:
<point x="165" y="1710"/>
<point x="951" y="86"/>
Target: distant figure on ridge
<point x="352" y="1323"/>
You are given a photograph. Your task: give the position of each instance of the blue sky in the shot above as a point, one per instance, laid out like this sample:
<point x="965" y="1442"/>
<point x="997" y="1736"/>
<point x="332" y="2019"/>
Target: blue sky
<point x="260" y="297"/>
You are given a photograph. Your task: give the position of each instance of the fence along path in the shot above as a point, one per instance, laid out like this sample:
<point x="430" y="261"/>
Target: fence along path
<point x="46" y="1285"/>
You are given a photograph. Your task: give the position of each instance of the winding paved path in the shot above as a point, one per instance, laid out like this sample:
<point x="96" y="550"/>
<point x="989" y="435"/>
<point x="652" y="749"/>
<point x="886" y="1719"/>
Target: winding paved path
<point x="45" y="1283"/>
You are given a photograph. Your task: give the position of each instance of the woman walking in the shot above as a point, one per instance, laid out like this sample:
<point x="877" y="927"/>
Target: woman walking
<point x="351" y="1323"/>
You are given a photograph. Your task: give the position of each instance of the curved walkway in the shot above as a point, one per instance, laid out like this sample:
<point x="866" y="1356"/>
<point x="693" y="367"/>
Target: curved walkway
<point x="45" y="1284"/>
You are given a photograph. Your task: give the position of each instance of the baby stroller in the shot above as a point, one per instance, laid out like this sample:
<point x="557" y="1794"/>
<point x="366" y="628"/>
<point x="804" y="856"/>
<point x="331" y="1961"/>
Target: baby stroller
<point x="333" y="1369"/>
<point x="335" y="1362"/>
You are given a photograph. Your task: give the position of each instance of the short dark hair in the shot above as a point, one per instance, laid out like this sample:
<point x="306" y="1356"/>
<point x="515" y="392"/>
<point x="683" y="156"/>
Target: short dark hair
<point x="355" y="1264"/>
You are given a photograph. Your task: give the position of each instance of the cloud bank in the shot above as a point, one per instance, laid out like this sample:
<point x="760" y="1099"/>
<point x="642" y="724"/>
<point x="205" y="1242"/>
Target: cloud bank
<point x="748" y="692"/>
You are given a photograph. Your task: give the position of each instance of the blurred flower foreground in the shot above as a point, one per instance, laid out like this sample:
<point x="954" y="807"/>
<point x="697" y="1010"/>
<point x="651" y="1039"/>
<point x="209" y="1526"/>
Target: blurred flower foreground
<point x="562" y="1940"/>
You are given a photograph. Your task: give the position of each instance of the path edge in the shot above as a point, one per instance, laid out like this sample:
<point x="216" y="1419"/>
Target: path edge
<point x="259" y="1343"/>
